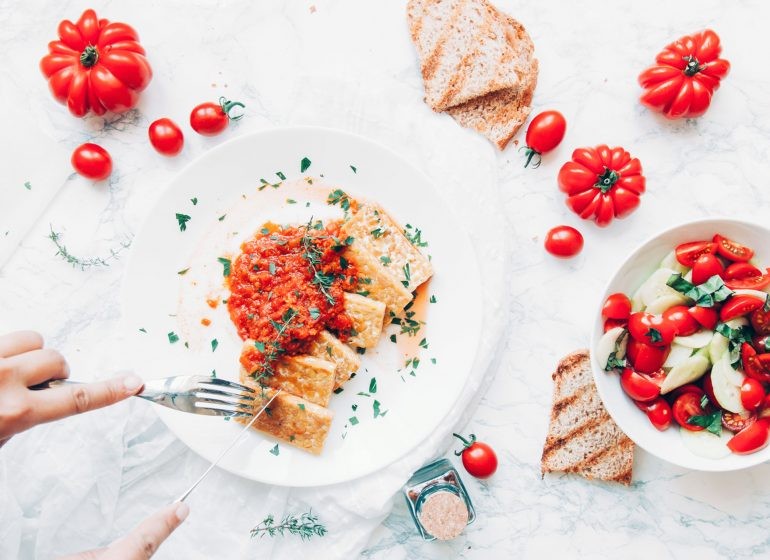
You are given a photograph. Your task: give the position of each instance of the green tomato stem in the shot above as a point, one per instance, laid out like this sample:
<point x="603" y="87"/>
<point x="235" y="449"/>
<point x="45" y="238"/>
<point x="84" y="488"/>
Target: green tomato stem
<point x="466" y="442"/>
<point x="89" y="56"/>
<point x="228" y="106"/>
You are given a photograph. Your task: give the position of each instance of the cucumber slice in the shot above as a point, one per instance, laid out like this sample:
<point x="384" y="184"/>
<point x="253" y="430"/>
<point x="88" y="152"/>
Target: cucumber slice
<point x="607" y="345"/>
<point x="663" y="303"/>
<point x="655" y="286"/>
<point x="677" y="355"/>
<point x="717" y="348"/>
<point x="688" y="371"/>
<point x="697" y="340"/>
<point x="726" y="391"/>
<point x="669" y="261"/>
<point x="705" y="444"/>
<point x="755" y="293"/>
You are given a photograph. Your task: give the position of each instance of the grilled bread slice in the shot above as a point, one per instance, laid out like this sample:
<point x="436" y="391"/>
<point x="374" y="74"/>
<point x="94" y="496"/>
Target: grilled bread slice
<point x="462" y="48"/>
<point x="499" y="115"/>
<point x="328" y="347"/>
<point x="582" y="438"/>
<point x="291" y="419"/>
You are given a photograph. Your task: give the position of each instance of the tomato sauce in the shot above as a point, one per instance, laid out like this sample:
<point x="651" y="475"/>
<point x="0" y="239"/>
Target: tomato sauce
<point x="287" y="286"/>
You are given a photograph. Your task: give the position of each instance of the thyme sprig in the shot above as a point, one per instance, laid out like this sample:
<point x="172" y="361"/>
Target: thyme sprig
<point x="83" y="263"/>
<point x="305" y="526"/>
<point x="273" y="349"/>
<point x="312" y="254"/>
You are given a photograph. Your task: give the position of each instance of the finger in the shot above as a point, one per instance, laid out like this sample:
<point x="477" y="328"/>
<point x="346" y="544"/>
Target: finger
<point x="144" y="540"/>
<point x="37" y="366"/>
<point x="19" y="342"/>
<point x="60" y="402"/>
<point x="95" y="554"/>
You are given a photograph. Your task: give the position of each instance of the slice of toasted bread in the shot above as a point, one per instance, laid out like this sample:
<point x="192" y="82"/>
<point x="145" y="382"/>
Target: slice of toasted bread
<point x="582" y="438"/>
<point x="500" y="114"/>
<point x="462" y="48"/>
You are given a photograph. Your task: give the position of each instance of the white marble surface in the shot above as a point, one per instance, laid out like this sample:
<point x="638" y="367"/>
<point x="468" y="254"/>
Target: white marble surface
<point x="590" y="54"/>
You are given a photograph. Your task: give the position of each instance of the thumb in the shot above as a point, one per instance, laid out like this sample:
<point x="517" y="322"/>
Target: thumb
<point x="144" y="540"/>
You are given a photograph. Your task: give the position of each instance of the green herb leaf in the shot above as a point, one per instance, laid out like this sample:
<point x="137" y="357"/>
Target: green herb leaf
<point x="226" y="265"/>
<point x="275" y="451"/>
<point x="173" y="337"/>
<point x="301" y="406"/>
<point x="194" y="201"/>
<point x="214" y="373"/>
<point x="28" y="185"/>
<point x="353" y="420"/>
<point x="291" y="201"/>
<point x="281" y="176"/>
<point x="182" y="220"/>
<point x="393" y="338"/>
<point x="711" y="292"/>
<point x="315" y="313"/>
<point x="377" y="410"/>
<point x="304" y="164"/>
<point x="385" y="260"/>
<point x="222" y="217"/>
<point x="432" y="299"/>
<point x="214" y="344"/>
<point x="712" y="422"/>
<point x="338" y="196"/>
<point x="354" y="168"/>
<point x="259" y="345"/>
<point x="766" y="307"/>
<point x="373" y="385"/>
<point x="183" y="272"/>
<point x="143" y="330"/>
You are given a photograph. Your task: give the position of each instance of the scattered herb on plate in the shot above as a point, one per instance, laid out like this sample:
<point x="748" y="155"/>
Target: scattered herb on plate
<point x="182" y="220"/>
<point x="305" y="526"/>
<point x="304" y="164"/>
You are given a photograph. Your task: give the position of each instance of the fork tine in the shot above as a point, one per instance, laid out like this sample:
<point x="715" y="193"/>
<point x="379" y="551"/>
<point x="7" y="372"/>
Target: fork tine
<point x="225" y="408"/>
<point x="226" y="383"/>
<point x="226" y="395"/>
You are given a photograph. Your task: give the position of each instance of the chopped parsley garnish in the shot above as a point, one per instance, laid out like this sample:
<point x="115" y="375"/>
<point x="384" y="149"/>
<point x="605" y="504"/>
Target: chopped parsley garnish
<point x="377" y="232"/>
<point x="711" y="292"/>
<point x="353" y="420"/>
<point x="291" y="201"/>
<point x="226" y="265"/>
<point x="433" y="360"/>
<point x="363" y="293"/>
<point x="182" y="220"/>
<point x="304" y="164"/>
<point x="281" y="176"/>
<point x="344" y="263"/>
<point x="214" y="344"/>
<point x="222" y="217"/>
<point x="301" y="406"/>
<point x="432" y="299"/>
<point x="173" y="337"/>
<point x="393" y="338"/>
<point x="354" y="168"/>
<point x="424" y="344"/>
<point x="766" y="307"/>
<point x="338" y="196"/>
<point x="377" y="410"/>
<point x="407" y="276"/>
<point x="214" y="373"/>
<point x="275" y="451"/>
<point x="373" y="385"/>
<point x="143" y="330"/>
<point x="194" y="200"/>
<point x="315" y="313"/>
<point x="414" y="235"/>
<point x="712" y="422"/>
<point x="385" y="260"/>
<point x="338" y="390"/>
<point x="183" y="272"/>
<point x="28" y="185"/>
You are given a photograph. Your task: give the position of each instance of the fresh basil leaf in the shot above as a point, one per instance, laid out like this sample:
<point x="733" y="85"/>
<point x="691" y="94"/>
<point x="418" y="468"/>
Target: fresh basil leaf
<point x="712" y="422"/>
<point x="679" y="284"/>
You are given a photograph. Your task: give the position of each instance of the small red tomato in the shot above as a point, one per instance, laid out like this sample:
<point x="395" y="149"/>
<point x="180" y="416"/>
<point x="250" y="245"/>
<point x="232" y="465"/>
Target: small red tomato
<point x="683" y="321"/>
<point x="563" y="242"/>
<point x="617" y="306"/>
<point x="741" y="271"/>
<point x="760" y="320"/>
<point x="731" y="250"/>
<point x="754" y="365"/>
<point x="688" y="253"/>
<point x="644" y="357"/>
<point x="638" y="386"/>
<point x="478" y="458"/>
<point x="750" y="439"/>
<point x="610" y="324"/>
<point x="655" y="330"/>
<point x="92" y="161"/>
<point x="738" y="306"/>
<point x="706" y="316"/>
<point x="705" y="267"/>
<point x="544" y="133"/>
<point x="209" y="119"/>
<point x="658" y="412"/>
<point x="685" y="407"/>
<point x="752" y="394"/>
<point x="166" y="137"/>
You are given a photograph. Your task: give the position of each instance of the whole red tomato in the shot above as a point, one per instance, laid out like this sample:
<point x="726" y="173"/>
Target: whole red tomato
<point x="166" y="137"/>
<point x="602" y="183"/>
<point x="209" y="119"/>
<point x="96" y="65"/>
<point x="92" y="161"/>
<point x="563" y="241"/>
<point x="479" y="459"/>
<point x="544" y="133"/>
<point x="685" y="76"/>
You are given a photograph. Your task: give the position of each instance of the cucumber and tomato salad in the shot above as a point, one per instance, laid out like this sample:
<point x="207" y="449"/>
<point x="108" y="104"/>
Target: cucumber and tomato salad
<point x="692" y="346"/>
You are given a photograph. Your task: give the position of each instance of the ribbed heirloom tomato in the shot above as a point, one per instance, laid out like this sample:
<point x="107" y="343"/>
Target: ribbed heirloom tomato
<point x="685" y="76"/>
<point x="602" y="183"/>
<point x="96" y="65"/>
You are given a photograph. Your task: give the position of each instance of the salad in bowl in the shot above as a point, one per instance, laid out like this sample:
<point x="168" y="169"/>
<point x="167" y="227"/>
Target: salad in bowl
<point x="681" y="352"/>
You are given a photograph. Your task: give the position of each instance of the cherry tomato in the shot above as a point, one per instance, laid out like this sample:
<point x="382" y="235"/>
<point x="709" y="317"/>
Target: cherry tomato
<point x="752" y="394"/>
<point x="706" y="266"/>
<point x="166" y="137"/>
<point x="750" y="439"/>
<point x="644" y="357"/>
<point x="689" y="388"/>
<point x="736" y="422"/>
<point x="760" y="320"/>
<point x="92" y="161"/>
<point x="740" y="271"/>
<point x="683" y="321"/>
<point x="761" y="343"/>
<point x="685" y="407"/>
<point x="651" y="329"/>
<point x="617" y="306"/>
<point x="478" y="458"/>
<point x="563" y="242"/>
<point x="688" y="253"/>
<point x="658" y="412"/>
<point x="731" y="250"/>
<point x="706" y="316"/>
<point x="610" y="324"/>
<point x="639" y="386"/>
<point x="753" y="365"/>
<point x="737" y="306"/>
<point x="210" y="119"/>
<point x="544" y="133"/>
<point x="759" y="282"/>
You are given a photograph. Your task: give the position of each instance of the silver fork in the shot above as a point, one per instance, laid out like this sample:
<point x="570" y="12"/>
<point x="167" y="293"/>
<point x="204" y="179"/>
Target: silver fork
<point x="196" y="394"/>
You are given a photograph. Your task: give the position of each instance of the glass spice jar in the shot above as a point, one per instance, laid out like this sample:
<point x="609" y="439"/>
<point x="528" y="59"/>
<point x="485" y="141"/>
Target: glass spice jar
<point x="438" y="501"/>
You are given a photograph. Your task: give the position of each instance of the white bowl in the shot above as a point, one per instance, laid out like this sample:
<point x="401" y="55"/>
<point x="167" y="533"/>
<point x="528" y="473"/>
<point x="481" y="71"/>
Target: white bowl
<point x="668" y="445"/>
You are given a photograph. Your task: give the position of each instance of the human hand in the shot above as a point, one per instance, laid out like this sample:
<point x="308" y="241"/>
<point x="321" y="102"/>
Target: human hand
<point x="24" y="363"/>
<point x="144" y="540"/>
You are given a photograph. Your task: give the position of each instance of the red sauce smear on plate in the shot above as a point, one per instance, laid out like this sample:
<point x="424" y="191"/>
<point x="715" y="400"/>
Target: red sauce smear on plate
<point x="296" y="272"/>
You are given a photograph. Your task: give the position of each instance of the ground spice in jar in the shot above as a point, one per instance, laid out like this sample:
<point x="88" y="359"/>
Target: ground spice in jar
<point x="444" y="515"/>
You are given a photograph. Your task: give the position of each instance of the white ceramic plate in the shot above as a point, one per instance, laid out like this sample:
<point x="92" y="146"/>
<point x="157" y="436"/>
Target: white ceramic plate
<point x="225" y="182"/>
<point x="668" y="445"/>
